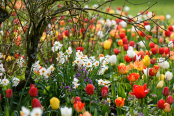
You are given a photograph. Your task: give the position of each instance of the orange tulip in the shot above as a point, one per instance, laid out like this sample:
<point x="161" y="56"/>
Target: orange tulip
<point x="123" y="69"/>
<point x="139" y="65"/>
<point x="79" y="106"/>
<point x="133" y="77"/>
<point x="120" y="42"/>
<point x="119" y="102"/>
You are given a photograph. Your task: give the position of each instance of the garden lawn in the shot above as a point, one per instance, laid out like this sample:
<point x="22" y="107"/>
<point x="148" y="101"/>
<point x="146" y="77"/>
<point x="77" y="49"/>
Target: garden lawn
<point x="162" y="7"/>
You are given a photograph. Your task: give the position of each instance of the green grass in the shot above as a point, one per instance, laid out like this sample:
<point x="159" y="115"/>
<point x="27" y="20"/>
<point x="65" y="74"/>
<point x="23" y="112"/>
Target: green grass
<point x="162" y="7"/>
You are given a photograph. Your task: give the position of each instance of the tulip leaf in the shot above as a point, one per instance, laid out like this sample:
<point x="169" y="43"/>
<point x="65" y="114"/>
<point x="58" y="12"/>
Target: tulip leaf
<point x="95" y="112"/>
<point x="105" y="109"/>
<point x="120" y="91"/>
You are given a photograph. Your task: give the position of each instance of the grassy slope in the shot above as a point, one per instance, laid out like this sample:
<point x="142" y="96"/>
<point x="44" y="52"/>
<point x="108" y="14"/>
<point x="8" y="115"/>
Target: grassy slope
<point x="163" y="7"/>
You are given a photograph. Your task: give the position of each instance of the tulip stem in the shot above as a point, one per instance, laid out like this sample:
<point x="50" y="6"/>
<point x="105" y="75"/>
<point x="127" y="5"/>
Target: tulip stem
<point x="90" y="104"/>
<point x="142" y="104"/>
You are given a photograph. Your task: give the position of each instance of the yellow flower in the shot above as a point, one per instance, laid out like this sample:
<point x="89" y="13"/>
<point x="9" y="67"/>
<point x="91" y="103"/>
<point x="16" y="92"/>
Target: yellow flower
<point x="166" y="108"/>
<point x="172" y="36"/>
<point x="55" y="103"/>
<point x="107" y="44"/>
<point x="162" y="76"/>
<point x="160" y="84"/>
<point x="146" y="60"/>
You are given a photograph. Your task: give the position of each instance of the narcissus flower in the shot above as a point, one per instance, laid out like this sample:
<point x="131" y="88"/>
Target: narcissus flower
<point x="161" y="103"/>
<point x="55" y="103"/>
<point x="107" y="44"/>
<point x="133" y="77"/>
<point x="79" y="106"/>
<point x="123" y="69"/>
<point x="119" y="102"/>
<point x="140" y="91"/>
<point x="89" y="89"/>
<point x="166" y="107"/>
<point x="146" y="60"/>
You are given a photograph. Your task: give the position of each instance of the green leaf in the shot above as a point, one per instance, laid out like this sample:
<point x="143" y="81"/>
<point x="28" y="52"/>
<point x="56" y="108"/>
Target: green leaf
<point x="121" y="91"/>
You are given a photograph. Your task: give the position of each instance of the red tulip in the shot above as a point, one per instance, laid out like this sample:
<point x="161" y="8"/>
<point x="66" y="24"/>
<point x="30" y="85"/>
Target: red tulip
<point x="89" y="89"/>
<point x="33" y="92"/>
<point x="60" y="37"/>
<point x="32" y="85"/>
<point x="119" y="102"/>
<point x="170" y="28"/>
<point x="104" y="91"/>
<point x="8" y="93"/>
<point x="127" y="59"/>
<point x="122" y="35"/>
<point x="161" y="103"/>
<point x="154" y="51"/>
<point x="36" y="103"/>
<point x="161" y="50"/>
<point x="125" y="47"/>
<point x="166" y="91"/>
<point x="141" y="33"/>
<point x="0" y="97"/>
<point x="146" y="23"/>
<point x="151" y="45"/>
<point x="79" y="48"/>
<point x="125" y="41"/>
<point x="66" y="33"/>
<point x="167" y="33"/>
<point x="169" y="99"/>
<point x="77" y="99"/>
<point x="131" y="43"/>
<point x="166" y="50"/>
<point x="118" y="8"/>
<point x="116" y="51"/>
<point x="151" y="72"/>
<point x="140" y="91"/>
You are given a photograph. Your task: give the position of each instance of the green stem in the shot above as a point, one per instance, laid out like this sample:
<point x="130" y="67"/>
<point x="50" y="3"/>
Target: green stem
<point x="142" y="104"/>
<point x="90" y="104"/>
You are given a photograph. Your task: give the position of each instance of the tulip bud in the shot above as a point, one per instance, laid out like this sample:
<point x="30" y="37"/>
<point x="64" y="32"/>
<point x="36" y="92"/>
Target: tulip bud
<point x="151" y="45"/>
<point x="160" y="84"/>
<point x="125" y="47"/>
<point x="104" y="91"/>
<point x="77" y="99"/>
<point x="161" y="103"/>
<point x="131" y="43"/>
<point x="89" y="89"/>
<point x="155" y="69"/>
<point x="107" y="44"/>
<point x="120" y="42"/>
<point x="166" y="91"/>
<point x="33" y="92"/>
<point x="161" y="50"/>
<point x="119" y="102"/>
<point x="146" y="60"/>
<point x="154" y="51"/>
<point x="166" y="107"/>
<point x="122" y="35"/>
<point x="151" y="72"/>
<point x="36" y="103"/>
<point x="169" y="99"/>
<point x="125" y="41"/>
<point x="8" y="93"/>
<point x="32" y="85"/>
<point x="72" y="100"/>
<point x="55" y="103"/>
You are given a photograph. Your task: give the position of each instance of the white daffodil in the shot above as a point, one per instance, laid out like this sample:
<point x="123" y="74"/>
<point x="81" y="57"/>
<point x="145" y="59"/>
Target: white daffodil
<point x="69" y="51"/>
<point x="79" y="53"/>
<point x="65" y="111"/>
<point x="96" y="63"/>
<point x="15" y="81"/>
<point x="88" y="64"/>
<point x="42" y="71"/>
<point x="5" y="82"/>
<point x="25" y="111"/>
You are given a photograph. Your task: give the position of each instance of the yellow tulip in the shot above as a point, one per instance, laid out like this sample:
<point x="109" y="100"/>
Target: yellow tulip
<point x="172" y="36"/>
<point x="166" y="108"/>
<point x="107" y="44"/>
<point x="162" y="76"/>
<point x="160" y="84"/>
<point x="55" y="103"/>
<point x="146" y="60"/>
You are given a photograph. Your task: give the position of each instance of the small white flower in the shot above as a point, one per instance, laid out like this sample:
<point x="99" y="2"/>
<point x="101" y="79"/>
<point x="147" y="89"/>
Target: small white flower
<point x="96" y="63"/>
<point x="79" y="53"/>
<point x="149" y="14"/>
<point x="100" y="34"/>
<point x="25" y="111"/>
<point x="141" y="44"/>
<point x="161" y="62"/>
<point x="65" y="111"/>
<point x="131" y="53"/>
<point x="123" y="24"/>
<point x="108" y="23"/>
<point x="42" y="71"/>
<point x="170" y="45"/>
<point x="88" y="64"/>
<point x="147" y="27"/>
<point x="15" y="81"/>
<point x="69" y="51"/>
<point x="168" y="75"/>
<point x="168" y="16"/>
<point x="36" y="112"/>
<point x="126" y="8"/>
<point x="5" y="82"/>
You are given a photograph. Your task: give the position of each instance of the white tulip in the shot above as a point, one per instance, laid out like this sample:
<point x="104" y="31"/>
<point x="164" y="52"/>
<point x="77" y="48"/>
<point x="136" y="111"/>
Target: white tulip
<point x="147" y="27"/>
<point x="146" y="72"/>
<point x="131" y="53"/>
<point x="161" y="62"/>
<point x="113" y="59"/>
<point x="123" y="24"/>
<point x="165" y="65"/>
<point x="141" y="44"/>
<point x="170" y="45"/>
<point x="65" y="111"/>
<point x="168" y="75"/>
